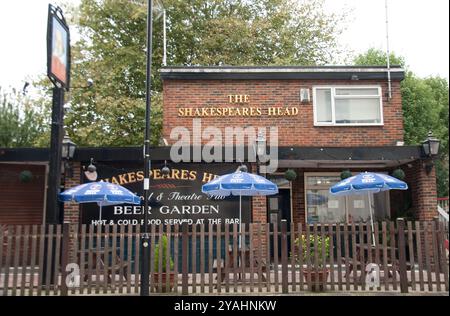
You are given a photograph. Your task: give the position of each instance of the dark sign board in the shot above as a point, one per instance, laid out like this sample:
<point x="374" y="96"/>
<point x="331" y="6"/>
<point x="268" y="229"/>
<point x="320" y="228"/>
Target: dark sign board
<point x="58" y="47"/>
<point x="174" y="199"/>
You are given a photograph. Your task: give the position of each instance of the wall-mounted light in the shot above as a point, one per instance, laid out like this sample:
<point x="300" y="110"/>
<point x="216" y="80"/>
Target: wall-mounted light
<point x="165" y="171"/>
<point x="91" y="171"/>
<point x="67" y="153"/>
<point x="430" y="147"/>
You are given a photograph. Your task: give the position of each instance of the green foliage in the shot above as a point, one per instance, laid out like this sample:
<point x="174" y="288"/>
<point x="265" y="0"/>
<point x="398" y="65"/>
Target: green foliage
<point x="22" y="122"/>
<point x="26" y="176"/>
<point x="345" y="174"/>
<point x="425" y="103"/>
<point x="290" y="175"/>
<point x="112" y="48"/>
<point x="163" y="243"/>
<point x="376" y="57"/>
<point x="399" y="174"/>
<point x="312" y="250"/>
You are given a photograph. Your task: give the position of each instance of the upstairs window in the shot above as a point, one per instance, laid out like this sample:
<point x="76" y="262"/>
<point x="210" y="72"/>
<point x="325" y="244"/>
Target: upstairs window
<point x="347" y="106"/>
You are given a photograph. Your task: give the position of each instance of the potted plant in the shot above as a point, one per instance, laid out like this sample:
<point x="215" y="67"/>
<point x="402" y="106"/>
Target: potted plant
<point x="165" y="275"/>
<point x="317" y="274"/>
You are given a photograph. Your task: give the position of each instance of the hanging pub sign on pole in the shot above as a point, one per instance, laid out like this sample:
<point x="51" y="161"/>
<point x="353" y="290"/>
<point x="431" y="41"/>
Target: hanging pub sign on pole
<point x="58" y="48"/>
<point x="58" y="71"/>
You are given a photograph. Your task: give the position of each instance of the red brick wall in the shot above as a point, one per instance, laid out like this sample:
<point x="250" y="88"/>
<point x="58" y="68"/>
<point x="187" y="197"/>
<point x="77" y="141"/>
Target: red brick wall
<point x="423" y="190"/>
<point x="72" y="210"/>
<point x="296" y="130"/>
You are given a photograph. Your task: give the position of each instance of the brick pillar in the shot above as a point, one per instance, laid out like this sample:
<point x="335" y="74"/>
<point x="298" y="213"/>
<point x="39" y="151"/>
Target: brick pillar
<point x="423" y="190"/>
<point x="259" y="215"/>
<point x="298" y="198"/>
<point x="72" y="210"/>
<point x="424" y="198"/>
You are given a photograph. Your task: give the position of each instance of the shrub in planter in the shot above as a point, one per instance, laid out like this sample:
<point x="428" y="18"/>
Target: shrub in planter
<point x="161" y="248"/>
<point x="322" y="273"/>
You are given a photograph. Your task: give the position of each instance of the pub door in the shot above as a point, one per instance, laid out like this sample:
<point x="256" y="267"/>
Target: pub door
<point x="279" y="208"/>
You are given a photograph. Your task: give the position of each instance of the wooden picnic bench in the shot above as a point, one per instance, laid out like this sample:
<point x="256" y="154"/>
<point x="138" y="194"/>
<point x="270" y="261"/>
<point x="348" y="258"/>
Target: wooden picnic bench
<point x="228" y="266"/>
<point x="100" y="260"/>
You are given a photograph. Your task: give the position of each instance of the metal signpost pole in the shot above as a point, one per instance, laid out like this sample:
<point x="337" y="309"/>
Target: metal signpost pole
<point x="145" y="267"/>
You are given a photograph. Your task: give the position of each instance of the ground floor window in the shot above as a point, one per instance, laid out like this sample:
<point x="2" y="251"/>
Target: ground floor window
<point x="323" y="207"/>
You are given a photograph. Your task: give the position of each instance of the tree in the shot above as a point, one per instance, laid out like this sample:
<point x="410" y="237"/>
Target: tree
<point x="200" y="32"/>
<point x="22" y="123"/>
<point x="425" y="105"/>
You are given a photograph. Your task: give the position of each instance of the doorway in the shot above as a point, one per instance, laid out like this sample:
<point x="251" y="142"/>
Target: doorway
<point x="278" y="209"/>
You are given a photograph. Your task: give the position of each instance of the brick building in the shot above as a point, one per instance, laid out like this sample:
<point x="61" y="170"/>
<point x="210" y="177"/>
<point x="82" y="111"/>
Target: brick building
<point x="328" y="119"/>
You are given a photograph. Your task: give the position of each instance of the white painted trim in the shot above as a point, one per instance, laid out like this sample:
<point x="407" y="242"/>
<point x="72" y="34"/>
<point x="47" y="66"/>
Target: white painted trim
<point x="333" y="106"/>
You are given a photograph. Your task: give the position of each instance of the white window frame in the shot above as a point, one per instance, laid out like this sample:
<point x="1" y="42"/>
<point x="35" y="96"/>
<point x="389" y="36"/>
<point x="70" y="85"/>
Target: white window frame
<point x="334" y="96"/>
<point x="334" y="174"/>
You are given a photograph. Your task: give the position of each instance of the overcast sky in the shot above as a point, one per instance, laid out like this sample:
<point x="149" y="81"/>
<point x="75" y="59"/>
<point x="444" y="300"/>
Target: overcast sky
<point x="419" y="30"/>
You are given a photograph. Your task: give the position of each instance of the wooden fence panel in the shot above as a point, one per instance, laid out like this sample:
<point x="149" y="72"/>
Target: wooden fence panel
<point x="17" y="246"/>
<point x="293" y="255"/>
<point x="202" y="258"/>
<point x="219" y="260"/>
<point x="377" y="251"/>
<point x="300" y="257"/>
<point x="210" y="257"/>
<point x="260" y="257"/>
<point x="137" y="247"/>
<point x="308" y="256"/>
<point x="194" y="258"/>
<point x="268" y="272"/>
<point x="406" y="248"/>
<point x="49" y="259"/>
<point x="129" y="254"/>
<point x="442" y="236"/>
<point x="275" y="256"/>
<point x="168" y="268"/>
<point x="435" y="255"/>
<point x="331" y="254"/>
<point x="41" y="259"/>
<point x="176" y="255"/>
<point x="339" y="256"/>
<point x="427" y="255"/>
<point x="236" y="249"/>
<point x="25" y="257"/>
<point x="33" y="268"/>
<point x="153" y="268"/>
<point x="160" y="257"/>
<point x="411" y="251"/>
<point x="347" y="258"/>
<point x="74" y="236"/>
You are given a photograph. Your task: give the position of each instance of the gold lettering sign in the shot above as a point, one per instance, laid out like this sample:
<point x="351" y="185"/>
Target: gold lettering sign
<point x="232" y="110"/>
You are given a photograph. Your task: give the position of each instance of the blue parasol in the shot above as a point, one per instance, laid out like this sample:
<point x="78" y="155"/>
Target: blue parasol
<point x="102" y="193"/>
<point x="367" y="182"/>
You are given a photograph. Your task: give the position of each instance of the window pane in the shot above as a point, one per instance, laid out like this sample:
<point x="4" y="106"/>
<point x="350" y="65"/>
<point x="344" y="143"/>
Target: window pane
<point x="358" y="110"/>
<point x="323" y="105"/>
<point x="358" y="209"/>
<point x="324" y="208"/>
<point x="326" y="181"/>
<point x="350" y="91"/>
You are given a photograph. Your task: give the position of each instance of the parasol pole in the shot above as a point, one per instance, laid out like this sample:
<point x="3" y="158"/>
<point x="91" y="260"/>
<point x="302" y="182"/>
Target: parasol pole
<point x="240" y="217"/>
<point x="371" y="218"/>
